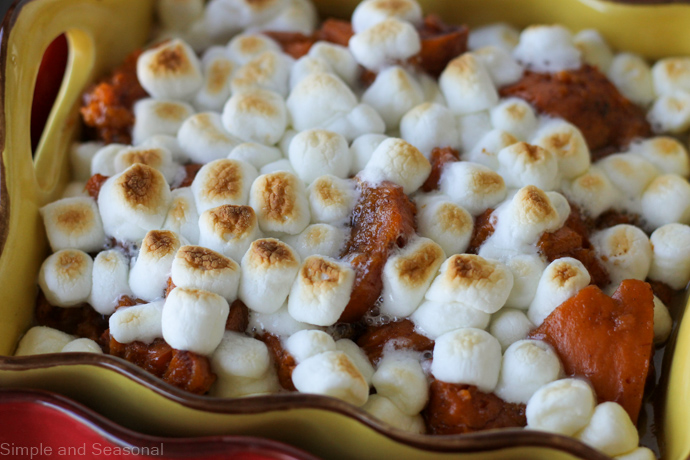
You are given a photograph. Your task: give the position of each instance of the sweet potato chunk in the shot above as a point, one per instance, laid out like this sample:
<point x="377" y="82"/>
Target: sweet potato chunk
<point x="94" y="184"/>
<point x="293" y="43"/>
<point x="606" y="339"/>
<point x="154" y="357"/>
<point x="401" y="333"/>
<point x="82" y="321"/>
<point x="483" y="229"/>
<point x="190" y="172"/>
<point x="440" y="156"/>
<point x="335" y="31"/>
<point x="238" y="318"/>
<point x="283" y="361"/>
<point x="441" y="43"/>
<point x="457" y="409"/>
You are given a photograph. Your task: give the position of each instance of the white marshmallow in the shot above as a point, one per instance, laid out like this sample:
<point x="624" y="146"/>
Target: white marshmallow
<point x="139" y="323"/>
<point x="170" y="71"/>
<point x="547" y="49"/>
<point x="666" y="153"/>
<point x="433" y="319"/>
<point x="241" y="356"/>
<point x="625" y="251"/>
<point x="524" y="164"/>
<point x="567" y="143"/>
<point x="133" y="202"/>
<point x="298" y="16"/>
<point x="386" y="411"/>
<point x="73" y="223"/>
<point x="633" y="78"/>
<point x="223" y="182"/>
<point x="194" y="320"/>
<point x="319" y="239"/>
<point x="305" y="103"/>
<point x="247" y="46"/>
<point x="500" y="35"/>
<point x="371" y="12"/>
<point x="321" y="291"/>
<point x="670" y="113"/>
<point x="41" y="340"/>
<point x="527" y="270"/>
<point x="527" y="366"/>
<point x="472" y="128"/>
<point x="663" y="323"/>
<point x="510" y="325"/>
<point x="362" y="119"/>
<point x="315" y="152"/>
<point x="630" y="173"/>
<point x="178" y="14"/>
<point x="641" y="453"/>
<point x="428" y="126"/>
<point x="564" y="407"/>
<point x="671" y="74"/>
<point x="203" y="138"/>
<point x="394" y="92"/>
<point x="218" y="71"/>
<point x="197" y="35"/>
<point x="331" y="199"/>
<point x="256" y="115"/>
<point x="155" y="116"/>
<point x="671" y="258"/>
<point x="516" y="117"/>
<point x="594" y="49"/>
<point x="339" y="59"/>
<point x="592" y="192"/>
<point x="158" y="158"/>
<point x="277" y="166"/>
<point x="228" y="229"/>
<point x="257" y="155"/>
<point x="384" y="43"/>
<point x="183" y="217"/>
<point x="399" y="162"/>
<point x="149" y="275"/>
<point x="82" y="346"/>
<point x="467" y="85"/>
<point x="224" y="18"/>
<point x="445" y="222"/>
<point x="503" y="69"/>
<point x="110" y="281"/>
<point x="362" y="149"/>
<point x="305" y="66"/>
<point x="74" y="190"/>
<point x="269" y="70"/>
<point x="280" y="202"/>
<point x="304" y="344"/>
<point x="196" y="267"/>
<point x="233" y="386"/>
<point x="81" y="156"/>
<point x="561" y="280"/>
<point x="666" y="200"/>
<point x="469" y="356"/>
<point x="401" y="379"/>
<point x="472" y="186"/>
<point x="485" y="151"/>
<point x="279" y="323"/>
<point x="331" y="374"/>
<point x="610" y="430"/>
<point x="357" y="356"/>
<point x="169" y="143"/>
<point x="65" y="277"/>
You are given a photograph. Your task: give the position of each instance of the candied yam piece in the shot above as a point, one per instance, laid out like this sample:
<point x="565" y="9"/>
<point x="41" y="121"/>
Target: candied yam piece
<point x="190" y="372"/>
<point x="154" y="357"/>
<point x="483" y="229"/>
<point x="127" y="301"/>
<point x="402" y="334"/>
<point x="335" y="31"/>
<point x="441" y="43"/>
<point x="606" y="339"/>
<point x="612" y="218"/>
<point x="238" y="318"/>
<point x="383" y="217"/>
<point x="169" y="287"/>
<point x="284" y="362"/>
<point x="587" y="99"/>
<point x="82" y="321"/>
<point x="190" y="172"/>
<point x="663" y="291"/>
<point x="457" y="409"/>
<point x="94" y="184"/>
<point x="293" y="43"/>
<point x="440" y="156"/>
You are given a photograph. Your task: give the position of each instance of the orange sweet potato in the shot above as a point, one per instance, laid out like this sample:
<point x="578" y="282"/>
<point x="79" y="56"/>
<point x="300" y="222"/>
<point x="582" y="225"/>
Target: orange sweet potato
<point x="283" y="361"/>
<point x="441" y="43"/>
<point x="238" y="318"/>
<point x="401" y="333"/>
<point x="94" y="184"/>
<point x="440" y="156"/>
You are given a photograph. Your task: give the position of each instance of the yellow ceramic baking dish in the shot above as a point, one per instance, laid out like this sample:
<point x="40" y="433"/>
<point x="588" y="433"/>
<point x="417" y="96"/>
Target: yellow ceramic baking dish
<point x="100" y="33"/>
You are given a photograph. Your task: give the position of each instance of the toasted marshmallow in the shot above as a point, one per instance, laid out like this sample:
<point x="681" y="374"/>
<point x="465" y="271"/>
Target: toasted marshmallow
<point x="394" y="92"/>
<point x="158" y="158"/>
<point x="315" y="152"/>
<point x="547" y="49"/>
<point x="279" y="323"/>
<point x="224" y="18"/>
<point x="298" y="16"/>
<point x="305" y="66"/>
<point x="633" y="78"/>
<point x="641" y="453"/>
<point x="472" y="280"/>
<point x="503" y="69"/>
<point x="428" y="126"/>
<point x="256" y="115"/>
<point x="151" y="270"/>
<point x="630" y="173"/>
<point x="567" y="143"/>
<point x="433" y="319"/>
<point x="269" y="71"/>
<point x="399" y="162"/>
<point x="41" y="340"/>
<point x="169" y="143"/>
<point x="278" y="166"/>
<point x="194" y="320"/>
<point x="386" y="411"/>
<point x="228" y="229"/>
<point x="524" y="164"/>
<point x="472" y="128"/>
<point x="140" y="323"/>
<point x="257" y="155"/>
<point x="510" y="325"/>
<point x="74" y="190"/>
<point x="663" y="323"/>
<point x="467" y="85"/>
<point x="592" y="192"/>
<point x="65" y="277"/>
<point x="280" y="202"/>
<point x="357" y="356"/>
<point x="362" y="149"/>
<point x="305" y="102"/>
<point x="610" y="430"/>
<point x="242" y="356"/>
<point x="82" y="346"/>
<point x="170" y="71"/>
<point x="204" y="138"/>
<point x="183" y="217"/>
<point x="110" y="281"/>
<point x="469" y="356"/>
<point x="321" y="291"/>
<point x="133" y="202"/>
<point x="666" y="200"/>
<point x="401" y="379"/>
<point x="564" y="407"/>
<point x="670" y="113"/>
<point x="179" y="14"/>
<point x="485" y="151"/>
<point x="81" y="156"/>
<point x="561" y="280"/>
<point x="671" y="74"/>
<point x="625" y="252"/>
<point x="73" y="223"/>
<point x="671" y="259"/>
<point x="223" y="182"/>
<point x="500" y="35"/>
<point x="331" y="374"/>
<point x="445" y="222"/>
<point x="339" y="59"/>
<point x="319" y="239"/>
<point x="304" y="344"/>
<point x="218" y="72"/>
<point x="473" y="186"/>
<point x="196" y="267"/>
<point x="527" y="270"/>
<point x="284" y="143"/>
<point x="245" y="47"/>
<point x="331" y="199"/>
<point x="527" y="366"/>
<point x="384" y="43"/>
<point x="407" y="275"/>
<point x="516" y="117"/>
<point x="154" y="117"/>
<point x="362" y="119"/>
<point x="233" y="386"/>
<point x="371" y="12"/>
<point x="594" y="49"/>
<point x="666" y="153"/>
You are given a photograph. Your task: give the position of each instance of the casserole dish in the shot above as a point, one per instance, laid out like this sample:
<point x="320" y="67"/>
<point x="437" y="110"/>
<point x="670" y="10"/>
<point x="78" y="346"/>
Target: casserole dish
<point x="99" y="36"/>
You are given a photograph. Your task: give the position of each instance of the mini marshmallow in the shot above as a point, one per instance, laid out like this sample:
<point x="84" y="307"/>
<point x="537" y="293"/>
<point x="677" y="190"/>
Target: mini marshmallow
<point x="229" y="230"/>
<point x="269" y="70"/>
<point x="331" y="374"/>
<point x="280" y="202"/>
<point x="467" y="85"/>
<point x="203" y="138"/>
<point x="65" y="277"/>
<point x="362" y="119"/>
<point x="568" y="144"/>
<point x="445" y="222"/>
<point x="305" y="103"/>
<point x="428" y="126"/>
<point x="218" y="71"/>
<point x="233" y="386"/>
<point x="315" y="152"/>
<point x="103" y="161"/>
<point x="41" y="340"/>
<point x="670" y="113"/>
<point x="269" y="268"/>
<point x="629" y="172"/>
<point x="304" y="344"/>
<point x="277" y="166"/>
<point x="633" y="78"/>
<point x="331" y="199"/>
<point x="339" y="59"/>
<point x="178" y="14"/>
<point x="384" y="43"/>
<point x="547" y="49"/>
<point x="594" y="49"/>
<point x="433" y="319"/>
<point x="321" y="291"/>
<point x="74" y="190"/>
<point x="170" y="71"/>
<point x="149" y="275"/>
<point x="81" y="156"/>
<point x="472" y="186"/>
<point x="516" y="117"/>
<point x="140" y="323"/>
<point x="257" y="155"/>
<point x="158" y="158"/>
<point x="485" y="151"/>
<point x="298" y="16"/>
<point x="671" y="258"/>
<point x="592" y="192"/>
<point x="284" y="143"/>
<point x="503" y="69"/>
<point x="469" y="356"/>
<point x="133" y="202"/>
<point x="510" y="325"/>
<point x="472" y="280"/>
<point x="196" y="267"/>
<point x="625" y="252"/>
<point x="153" y="116"/>
<point x="527" y="270"/>
<point x="641" y="453"/>
<point x="241" y="356"/>
<point x="223" y="182"/>
<point x="362" y="149"/>
<point x="666" y="200"/>
<point x="183" y="217"/>
<point x="666" y="153"/>
<point x="245" y="47"/>
<point x="169" y="143"/>
<point x="561" y="280"/>
<point x="386" y="411"/>
<point x="407" y="275"/>
<point x="319" y="239"/>
<point x="194" y="320"/>
<point x="524" y="164"/>
<point x="110" y="281"/>
<point x="564" y="407"/>
<point x="357" y="356"/>
<point x="82" y="346"/>
<point x="399" y="162"/>
<point x="256" y="115"/>
<point x="224" y="18"/>
<point x="73" y="223"/>
<point x="610" y="430"/>
<point x="500" y="35"/>
<point x="663" y="323"/>
<point x="305" y="66"/>
<point x="527" y="366"/>
<point x="371" y="12"/>
<point x="394" y="92"/>
<point x="671" y="74"/>
<point x="279" y="323"/>
<point x="472" y="128"/>
<point x="401" y="379"/>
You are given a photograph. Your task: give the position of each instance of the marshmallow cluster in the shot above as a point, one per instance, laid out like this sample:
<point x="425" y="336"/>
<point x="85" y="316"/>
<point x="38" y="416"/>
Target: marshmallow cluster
<point x="203" y="138"/>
